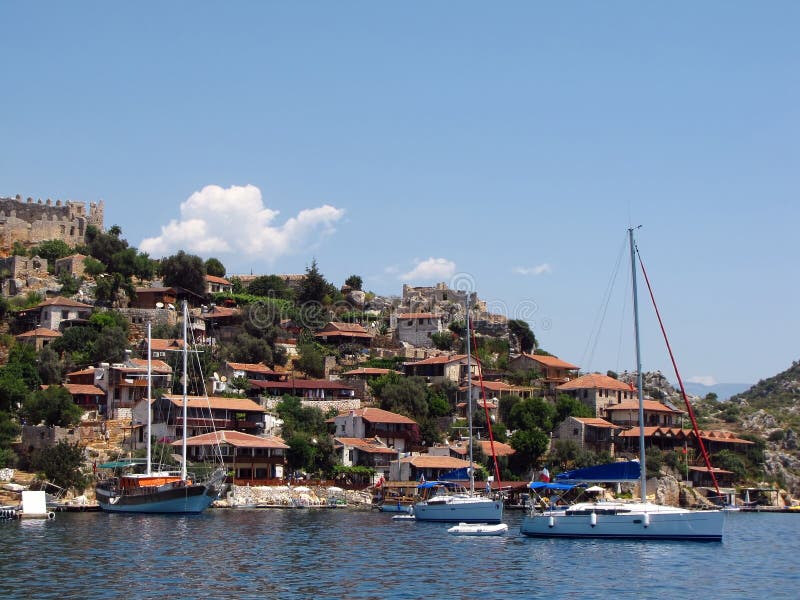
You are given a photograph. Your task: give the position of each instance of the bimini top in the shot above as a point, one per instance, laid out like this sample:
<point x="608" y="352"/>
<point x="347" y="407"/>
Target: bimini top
<point x="446" y="484"/>
<point x="609" y="473"/>
<point x="546" y="485"/>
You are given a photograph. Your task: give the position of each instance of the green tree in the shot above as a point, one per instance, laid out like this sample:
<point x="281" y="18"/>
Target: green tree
<point x="442" y="340"/>
<point x="249" y="349"/>
<point x="270" y="286"/>
<point x="52" y="406"/>
<point x="9" y="430"/>
<point x="529" y="445"/>
<point x="52" y="250"/>
<point x="215" y="267"/>
<point x="532" y="413"/>
<point x="314" y="288"/>
<point x="61" y="464"/>
<point x="77" y="342"/>
<point x="504" y="406"/>
<point x="567" y="406"/>
<point x="354" y="282"/>
<point x="311" y="360"/>
<point x="50" y="370"/>
<point x="109" y="346"/>
<point x="93" y="267"/>
<point x="184" y="271"/>
<point x="69" y="284"/>
<point x="406" y="396"/>
<point x="522" y="332"/>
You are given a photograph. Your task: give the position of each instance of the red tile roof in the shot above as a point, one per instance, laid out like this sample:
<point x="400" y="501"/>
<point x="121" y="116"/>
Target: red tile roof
<point x="371" y="446"/>
<point x="649" y="405"/>
<point x="233" y="438"/>
<point x="215" y="279"/>
<point x="164" y="345"/>
<point x="596" y="422"/>
<point x="369" y="371"/>
<point x="61" y="301"/>
<point x="157" y="366"/>
<point x="676" y="432"/>
<point x="550" y="361"/>
<point x="343" y="329"/>
<point x="378" y="415"/>
<point x="250" y="367"/>
<point x="500" y="449"/>
<point x="442" y="360"/>
<point x="216" y="402"/>
<point x="42" y="332"/>
<point x="300" y="384"/>
<point x="426" y="461"/>
<point x="595" y="381"/>
<point x="80" y="388"/>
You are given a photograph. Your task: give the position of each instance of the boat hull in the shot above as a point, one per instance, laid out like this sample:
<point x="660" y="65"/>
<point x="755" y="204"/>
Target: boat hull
<point x="396" y="508"/>
<point x="190" y="499"/>
<point x="460" y="510"/>
<point x="703" y="526"/>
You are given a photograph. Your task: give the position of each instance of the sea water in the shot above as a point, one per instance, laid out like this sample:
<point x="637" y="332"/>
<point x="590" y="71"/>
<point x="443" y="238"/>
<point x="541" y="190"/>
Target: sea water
<point x="341" y="553"/>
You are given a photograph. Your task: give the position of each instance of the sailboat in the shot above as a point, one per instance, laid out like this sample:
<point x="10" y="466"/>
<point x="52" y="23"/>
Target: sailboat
<point x="445" y="501"/>
<point x="160" y="491"/>
<point x="624" y="520"/>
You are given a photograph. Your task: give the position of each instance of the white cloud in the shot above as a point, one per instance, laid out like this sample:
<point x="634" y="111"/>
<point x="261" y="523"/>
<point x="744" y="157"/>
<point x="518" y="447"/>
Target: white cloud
<point x="537" y="270"/>
<point x="235" y="220"/>
<point x="437" y="269"/>
<point x="703" y="379"/>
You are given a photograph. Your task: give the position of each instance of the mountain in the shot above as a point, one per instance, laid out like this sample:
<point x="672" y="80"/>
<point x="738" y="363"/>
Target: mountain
<point x="722" y="390"/>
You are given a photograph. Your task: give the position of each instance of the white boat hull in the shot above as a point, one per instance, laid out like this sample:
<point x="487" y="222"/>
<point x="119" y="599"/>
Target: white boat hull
<point x="479" y="529"/>
<point x="620" y="521"/>
<point x="456" y="509"/>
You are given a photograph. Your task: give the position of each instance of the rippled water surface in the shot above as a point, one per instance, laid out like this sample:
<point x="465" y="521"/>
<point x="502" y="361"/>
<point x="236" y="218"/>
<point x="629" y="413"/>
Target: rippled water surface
<point x="361" y="554"/>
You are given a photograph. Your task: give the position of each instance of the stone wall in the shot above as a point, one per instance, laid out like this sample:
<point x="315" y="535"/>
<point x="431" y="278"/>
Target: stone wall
<point x="30" y="222"/>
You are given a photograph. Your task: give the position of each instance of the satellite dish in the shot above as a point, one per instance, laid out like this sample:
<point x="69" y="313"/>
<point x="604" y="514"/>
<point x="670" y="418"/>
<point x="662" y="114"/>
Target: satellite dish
<point x="171" y="306"/>
<point x="223" y="379"/>
<point x="159" y="305"/>
<point x="216" y="376"/>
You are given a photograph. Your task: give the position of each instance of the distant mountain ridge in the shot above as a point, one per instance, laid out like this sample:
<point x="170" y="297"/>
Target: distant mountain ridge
<point x="722" y="390"/>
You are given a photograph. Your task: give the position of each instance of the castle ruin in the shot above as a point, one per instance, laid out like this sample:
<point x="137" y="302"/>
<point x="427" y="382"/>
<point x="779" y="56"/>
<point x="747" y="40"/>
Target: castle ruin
<point x="31" y="223"/>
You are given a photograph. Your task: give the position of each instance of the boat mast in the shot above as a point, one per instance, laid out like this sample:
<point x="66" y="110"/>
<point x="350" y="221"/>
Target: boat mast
<point x="469" y="398"/>
<point x="149" y="397"/>
<point x="643" y="473"/>
<point x="185" y="384"/>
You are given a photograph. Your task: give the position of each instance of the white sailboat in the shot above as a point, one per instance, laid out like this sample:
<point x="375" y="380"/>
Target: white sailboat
<point x="160" y="491"/>
<point x="448" y="503"/>
<point x="627" y="520"/>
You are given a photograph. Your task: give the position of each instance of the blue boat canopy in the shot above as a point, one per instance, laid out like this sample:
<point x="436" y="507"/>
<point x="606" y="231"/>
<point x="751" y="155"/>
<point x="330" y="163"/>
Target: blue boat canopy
<point x="608" y="473"/>
<point x="545" y="485"/>
<point x="431" y="484"/>
<point x="461" y="474"/>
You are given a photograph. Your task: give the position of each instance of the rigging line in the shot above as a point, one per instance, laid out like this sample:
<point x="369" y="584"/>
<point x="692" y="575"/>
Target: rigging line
<point x="485" y="406"/>
<point x="594" y="336"/>
<point x="622" y="323"/>
<point x="689" y="408"/>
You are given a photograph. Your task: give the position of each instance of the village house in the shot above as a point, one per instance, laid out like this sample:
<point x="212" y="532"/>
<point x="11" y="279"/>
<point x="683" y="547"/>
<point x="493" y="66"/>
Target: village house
<point x="439" y="369"/>
<point x="493" y="390"/>
<point x="71" y="265"/>
<point x="218" y="285"/>
<point x="253" y="460"/>
<point x="206" y="414"/>
<point x="155" y="297"/>
<point x="217" y="324"/>
<point x="588" y="433"/>
<point x="427" y="467"/>
<point x="417" y="328"/>
<point x="356" y="451"/>
<point x="39" y="337"/>
<point x="551" y="370"/>
<point x="656" y="414"/>
<point x="394" y="431"/>
<point x="87" y="396"/>
<point x="307" y="389"/>
<point x="597" y="391"/>
<point x="55" y="311"/>
<point x="344" y="333"/>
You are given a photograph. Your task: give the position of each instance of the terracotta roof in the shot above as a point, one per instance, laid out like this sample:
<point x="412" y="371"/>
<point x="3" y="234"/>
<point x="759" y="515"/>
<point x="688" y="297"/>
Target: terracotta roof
<point x="233" y="438"/>
<point x="596" y="422"/>
<point x="87" y="371"/>
<point x="550" y="361"/>
<point x="496" y="386"/>
<point x="441" y="360"/>
<point x="405" y="316"/>
<point x="344" y="329"/>
<point x="157" y="366"/>
<point x="61" y="301"/>
<point x="161" y="290"/>
<point x="39" y="332"/>
<point x="377" y="415"/>
<point x="723" y="436"/>
<point x="649" y="405"/>
<point x="250" y="367"/>
<point x="165" y="345"/>
<point x="500" y="449"/>
<point x="219" y="312"/>
<point x="677" y="432"/>
<point x="426" y="461"/>
<point x="216" y="402"/>
<point x="370" y="371"/>
<point x="371" y="446"/>
<point x="215" y="279"/>
<point x="480" y="404"/>
<point x="595" y="381"/>
<point x="81" y="388"/>
<point x="72" y="256"/>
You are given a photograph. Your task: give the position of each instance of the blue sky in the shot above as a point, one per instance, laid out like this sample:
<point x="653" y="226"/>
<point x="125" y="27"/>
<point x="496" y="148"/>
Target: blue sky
<point x="510" y="145"/>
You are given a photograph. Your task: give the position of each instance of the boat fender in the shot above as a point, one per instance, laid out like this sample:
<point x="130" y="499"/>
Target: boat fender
<point x="646" y="519"/>
<point x="593" y="519"/>
<point x="551" y="521"/>
<point x="51" y="515"/>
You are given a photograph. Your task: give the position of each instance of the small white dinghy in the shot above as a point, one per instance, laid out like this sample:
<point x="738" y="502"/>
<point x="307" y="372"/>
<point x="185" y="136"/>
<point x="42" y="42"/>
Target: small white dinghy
<point x="479" y="529"/>
<point x="403" y="517"/>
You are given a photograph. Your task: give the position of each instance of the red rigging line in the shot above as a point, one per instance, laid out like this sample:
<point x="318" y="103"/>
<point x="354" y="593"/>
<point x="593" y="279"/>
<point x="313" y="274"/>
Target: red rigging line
<point x="689" y="408"/>
<point x="485" y="405"/>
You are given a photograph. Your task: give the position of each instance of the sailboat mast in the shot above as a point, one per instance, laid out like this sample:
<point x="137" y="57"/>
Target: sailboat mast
<point x="149" y="398"/>
<point x="185" y="385"/>
<point x="643" y="474"/>
<point x="469" y="397"/>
